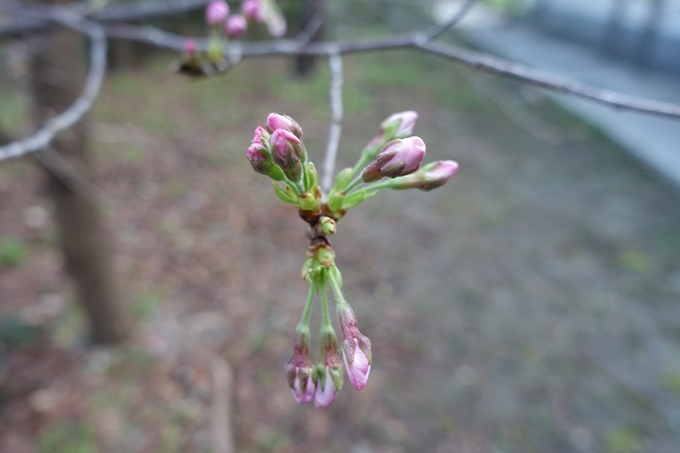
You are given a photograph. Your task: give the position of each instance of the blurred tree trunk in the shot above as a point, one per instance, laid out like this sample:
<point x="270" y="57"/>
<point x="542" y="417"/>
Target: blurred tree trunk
<point x="58" y="74"/>
<point x="644" y="53"/>
<point x="304" y="64"/>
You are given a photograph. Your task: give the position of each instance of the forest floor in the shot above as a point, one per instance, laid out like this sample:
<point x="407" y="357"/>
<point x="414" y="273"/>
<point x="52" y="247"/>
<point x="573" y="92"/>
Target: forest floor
<point x="529" y="305"/>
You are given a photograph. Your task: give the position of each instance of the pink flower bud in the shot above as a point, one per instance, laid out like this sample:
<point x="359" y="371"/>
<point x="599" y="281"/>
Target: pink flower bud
<point x="438" y="174"/>
<point x="236" y="26"/>
<point x="398" y="158"/>
<point x="359" y="368"/>
<point x="276" y="24"/>
<point x="276" y="121"/>
<point x="216" y="12"/>
<point x="356" y="348"/>
<point x="260" y="157"/>
<point x="252" y="10"/>
<point x="305" y="395"/>
<point x="288" y="153"/>
<point x="280" y="140"/>
<point x="429" y="177"/>
<point x="261" y="136"/>
<point x="326" y="392"/>
<point x="400" y="125"/>
<point x="300" y="371"/>
<point x="191" y="48"/>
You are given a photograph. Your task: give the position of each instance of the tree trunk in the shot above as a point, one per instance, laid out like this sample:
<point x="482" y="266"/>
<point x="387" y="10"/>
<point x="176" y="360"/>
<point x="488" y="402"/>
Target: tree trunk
<point x="304" y="64"/>
<point x="58" y="74"/>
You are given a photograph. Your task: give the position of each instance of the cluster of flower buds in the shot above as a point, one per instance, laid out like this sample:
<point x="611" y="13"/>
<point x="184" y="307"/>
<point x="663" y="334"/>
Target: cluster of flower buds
<point x="391" y="160"/>
<point x="223" y="26"/>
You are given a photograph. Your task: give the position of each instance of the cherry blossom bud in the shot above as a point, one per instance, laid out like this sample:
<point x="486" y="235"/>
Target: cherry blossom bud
<point x="261" y="136"/>
<point x="356" y="348"/>
<point x="191" y="48"/>
<point x="429" y="177"/>
<point x="253" y="10"/>
<point x="216" y="12"/>
<point x="260" y="157"/>
<point x="327" y="226"/>
<point x="329" y="373"/>
<point x="287" y="151"/>
<point x="326" y="390"/>
<point x="276" y="121"/>
<point x="398" y="158"/>
<point x="299" y="370"/>
<point x="236" y="26"/>
<point x="399" y="125"/>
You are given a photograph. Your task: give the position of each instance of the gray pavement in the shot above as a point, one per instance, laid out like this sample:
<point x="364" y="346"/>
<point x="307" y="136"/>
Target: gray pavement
<point x="656" y="141"/>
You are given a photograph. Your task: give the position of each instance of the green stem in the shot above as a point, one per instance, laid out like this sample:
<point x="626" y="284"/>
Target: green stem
<point x="352" y="185"/>
<point x="292" y="186"/>
<point x="336" y="290"/>
<point x="363" y="160"/>
<point x="380" y="185"/>
<point x="304" y="321"/>
<point x="324" y="305"/>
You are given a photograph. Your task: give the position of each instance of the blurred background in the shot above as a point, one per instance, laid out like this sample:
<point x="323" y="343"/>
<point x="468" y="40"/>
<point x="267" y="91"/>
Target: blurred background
<point x="529" y="305"/>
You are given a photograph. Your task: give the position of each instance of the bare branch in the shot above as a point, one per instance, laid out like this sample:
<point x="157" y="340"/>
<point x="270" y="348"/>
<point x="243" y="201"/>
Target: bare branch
<point x="437" y="30"/>
<point x="75" y="112"/>
<point x="335" y="95"/>
<point x="474" y="59"/>
<point x="552" y="82"/>
<point x="126" y="12"/>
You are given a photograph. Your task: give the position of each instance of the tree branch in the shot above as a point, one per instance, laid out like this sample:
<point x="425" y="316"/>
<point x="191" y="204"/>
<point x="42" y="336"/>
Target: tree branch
<point x="437" y="30"/>
<point x="127" y="12"/>
<point x="552" y="82"/>
<point x="335" y="95"/>
<point x="75" y="112"/>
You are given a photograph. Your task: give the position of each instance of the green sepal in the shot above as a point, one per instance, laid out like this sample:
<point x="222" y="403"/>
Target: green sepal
<point x="355" y="199"/>
<point x="286" y="195"/>
<point x="311" y="177"/>
<point x="307" y="202"/>
<point x="326" y="257"/>
<point x="276" y="173"/>
<point x="342" y="179"/>
<point x="335" y="200"/>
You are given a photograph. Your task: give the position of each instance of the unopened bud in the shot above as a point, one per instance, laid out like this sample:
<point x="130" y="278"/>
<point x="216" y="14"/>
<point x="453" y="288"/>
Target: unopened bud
<point x="285" y="122"/>
<point x="327" y="226"/>
<point x="399" y="125"/>
<point x="260" y="159"/>
<point x="236" y="26"/>
<point x="191" y="48"/>
<point x="307" y="202"/>
<point x="329" y="372"/>
<point x="299" y="370"/>
<point x="286" y="150"/>
<point x="253" y="10"/>
<point x="429" y="177"/>
<point x="216" y="12"/>
<point x="356" y="348"/>
<point x="398" y="158"/>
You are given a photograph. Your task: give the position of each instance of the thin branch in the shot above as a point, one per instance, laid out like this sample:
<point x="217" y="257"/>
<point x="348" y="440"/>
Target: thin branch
<point x="335" y="95"/>
<point x="437" y="30"/>
<point x="75" y="112"/>
<point x="473" y="59"/>
<point x="552" y="82"/>
<point x="127" y="12"/>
